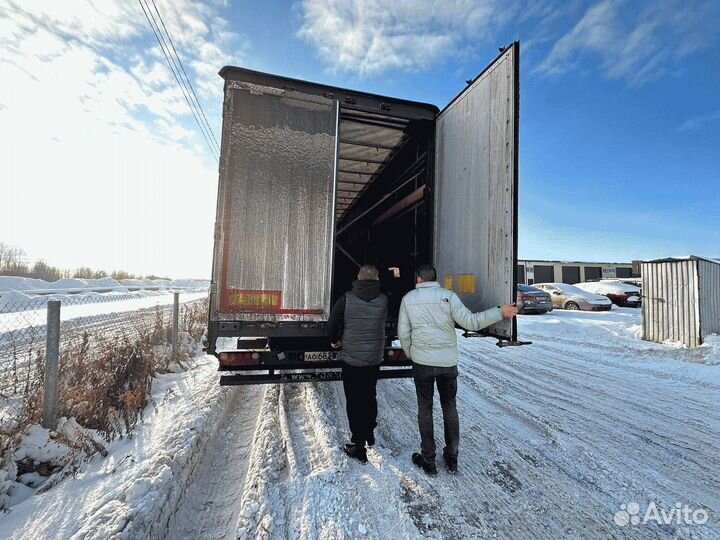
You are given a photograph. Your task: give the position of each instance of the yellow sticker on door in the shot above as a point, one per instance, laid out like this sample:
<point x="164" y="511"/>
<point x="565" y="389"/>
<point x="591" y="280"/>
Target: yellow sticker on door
<point x="466" y="283"/>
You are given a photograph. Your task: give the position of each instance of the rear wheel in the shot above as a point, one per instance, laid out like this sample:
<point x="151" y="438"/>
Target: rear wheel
<point x="572" y="305"/>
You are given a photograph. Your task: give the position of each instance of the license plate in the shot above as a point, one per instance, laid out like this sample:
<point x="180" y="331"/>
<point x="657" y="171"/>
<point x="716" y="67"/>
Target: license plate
<point x="320" y="356"/>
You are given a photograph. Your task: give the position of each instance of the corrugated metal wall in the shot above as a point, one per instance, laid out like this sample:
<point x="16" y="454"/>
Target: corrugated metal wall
<point x="709" y="298"/>
<point x="671" y="310"/>
<point x="474" y="192"/>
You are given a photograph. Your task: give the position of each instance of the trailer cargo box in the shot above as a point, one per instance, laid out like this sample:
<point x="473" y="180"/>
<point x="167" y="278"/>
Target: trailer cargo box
<point x="316" y="181"/>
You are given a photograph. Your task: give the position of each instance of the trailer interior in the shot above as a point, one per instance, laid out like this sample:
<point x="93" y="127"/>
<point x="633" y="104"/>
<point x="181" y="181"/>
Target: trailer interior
<point x="383" y="207"/>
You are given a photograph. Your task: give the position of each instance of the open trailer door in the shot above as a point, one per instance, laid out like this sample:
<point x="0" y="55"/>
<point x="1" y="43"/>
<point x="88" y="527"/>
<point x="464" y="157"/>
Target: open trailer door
<point x="476" y="178"/>
<point x="276" y="209"/>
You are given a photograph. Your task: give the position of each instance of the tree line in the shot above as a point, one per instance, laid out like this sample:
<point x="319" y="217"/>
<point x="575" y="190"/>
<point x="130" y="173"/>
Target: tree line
<point x="14" y="262"/>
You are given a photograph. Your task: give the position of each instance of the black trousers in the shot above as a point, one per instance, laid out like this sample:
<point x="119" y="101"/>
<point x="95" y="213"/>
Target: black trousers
<point x="359" y="384"/>
<point x="426" y="377"/>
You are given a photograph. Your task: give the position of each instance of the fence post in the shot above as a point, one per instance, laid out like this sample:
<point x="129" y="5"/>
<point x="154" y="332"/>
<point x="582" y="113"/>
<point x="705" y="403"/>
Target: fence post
<point x="52" y="364"/>
<point x="176" y="316"/>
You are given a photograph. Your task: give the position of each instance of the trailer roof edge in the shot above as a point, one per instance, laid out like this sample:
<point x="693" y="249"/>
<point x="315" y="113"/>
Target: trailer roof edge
<point x="241" y="73"/>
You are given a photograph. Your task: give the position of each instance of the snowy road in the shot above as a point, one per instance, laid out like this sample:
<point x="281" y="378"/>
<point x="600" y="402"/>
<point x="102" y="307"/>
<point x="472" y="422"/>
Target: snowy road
<point x="556" y="437"/>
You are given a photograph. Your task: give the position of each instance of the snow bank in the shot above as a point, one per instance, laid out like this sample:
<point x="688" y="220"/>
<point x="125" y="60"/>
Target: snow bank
<point x="23" y="294"/>
<point x="46" y="457"/>
<point x="130" y="494"/>
<point x="712" y="345"/>
<point x="12" y="283"/>
<point x="73" y="285"/>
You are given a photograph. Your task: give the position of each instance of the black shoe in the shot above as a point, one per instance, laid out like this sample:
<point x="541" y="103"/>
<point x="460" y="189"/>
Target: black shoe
<point x="371" y="440"/>
<point x="451" y="462"/>
<point x="425" y="465"/>
<point x="355" y="451"/>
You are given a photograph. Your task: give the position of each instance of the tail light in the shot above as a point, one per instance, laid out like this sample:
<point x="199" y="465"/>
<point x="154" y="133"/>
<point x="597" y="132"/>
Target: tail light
<point x="239" y="358"/>
<point x="396" y="355"/>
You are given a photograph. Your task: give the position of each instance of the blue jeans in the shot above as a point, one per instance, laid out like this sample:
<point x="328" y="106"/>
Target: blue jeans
<point x="425" y="378"/>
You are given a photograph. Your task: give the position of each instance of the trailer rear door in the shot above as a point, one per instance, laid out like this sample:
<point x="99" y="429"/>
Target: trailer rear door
<point x="476" y="171"/>
<point x="276" y="205"/>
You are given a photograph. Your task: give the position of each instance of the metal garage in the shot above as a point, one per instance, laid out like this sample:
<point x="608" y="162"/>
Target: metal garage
<point x="681" y="299"/>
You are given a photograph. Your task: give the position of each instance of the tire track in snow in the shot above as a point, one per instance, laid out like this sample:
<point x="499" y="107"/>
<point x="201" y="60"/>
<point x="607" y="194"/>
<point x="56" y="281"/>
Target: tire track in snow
<point x="209" y="508"/>
<point x="554" y="438"/>
<point x="588" y="430"/>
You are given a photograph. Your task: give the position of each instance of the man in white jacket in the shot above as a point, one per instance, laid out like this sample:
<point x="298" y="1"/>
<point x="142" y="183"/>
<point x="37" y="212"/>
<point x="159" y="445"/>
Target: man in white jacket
<point x="426" y="328"/>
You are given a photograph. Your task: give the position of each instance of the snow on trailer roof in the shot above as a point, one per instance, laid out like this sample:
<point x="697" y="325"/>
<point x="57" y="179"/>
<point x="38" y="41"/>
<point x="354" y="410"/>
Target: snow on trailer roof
<point x="347" y="97"/>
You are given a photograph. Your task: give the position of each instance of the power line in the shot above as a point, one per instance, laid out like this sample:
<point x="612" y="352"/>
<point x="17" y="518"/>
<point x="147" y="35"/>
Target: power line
<point x="176" y="73"/>
<point x="189" y="83"/>
<point x="163" y="45"/>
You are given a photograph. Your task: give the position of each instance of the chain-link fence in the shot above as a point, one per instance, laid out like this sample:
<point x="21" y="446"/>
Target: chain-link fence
<point x="110" y="347"/>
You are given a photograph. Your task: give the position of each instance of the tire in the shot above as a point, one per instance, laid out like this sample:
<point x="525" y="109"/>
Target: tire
<point x="572" y="306"/>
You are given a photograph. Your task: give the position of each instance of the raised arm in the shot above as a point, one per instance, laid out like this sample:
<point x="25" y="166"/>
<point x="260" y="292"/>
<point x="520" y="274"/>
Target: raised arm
<point x="473" y="321"/>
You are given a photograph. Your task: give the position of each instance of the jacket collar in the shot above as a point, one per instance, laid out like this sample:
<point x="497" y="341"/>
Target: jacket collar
<point x="427" y="284"/>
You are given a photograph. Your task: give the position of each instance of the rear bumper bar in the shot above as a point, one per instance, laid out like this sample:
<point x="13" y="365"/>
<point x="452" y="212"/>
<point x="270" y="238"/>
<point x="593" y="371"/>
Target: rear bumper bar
<point x="302" y="376"/>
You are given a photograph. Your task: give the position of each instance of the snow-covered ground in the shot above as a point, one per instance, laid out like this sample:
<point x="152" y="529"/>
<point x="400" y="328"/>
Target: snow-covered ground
<point x="558" y="439"/>
<point x="132" y="492"/>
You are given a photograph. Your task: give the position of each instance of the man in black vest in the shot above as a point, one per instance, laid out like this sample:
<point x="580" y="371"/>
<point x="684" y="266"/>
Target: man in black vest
<point x="357" y="322"/>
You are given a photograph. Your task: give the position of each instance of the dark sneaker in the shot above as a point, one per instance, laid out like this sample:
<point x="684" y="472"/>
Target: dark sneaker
<point x="355" y="451"/>
<point x="451" y="462"/>
<point x="425" y="465"/>
<point x="371" y="440"/>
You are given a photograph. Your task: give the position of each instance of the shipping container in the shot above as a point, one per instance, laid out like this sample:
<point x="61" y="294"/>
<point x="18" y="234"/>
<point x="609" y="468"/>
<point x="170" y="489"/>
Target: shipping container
<point x="316" y="180"/>
<point x="681" y="300"/>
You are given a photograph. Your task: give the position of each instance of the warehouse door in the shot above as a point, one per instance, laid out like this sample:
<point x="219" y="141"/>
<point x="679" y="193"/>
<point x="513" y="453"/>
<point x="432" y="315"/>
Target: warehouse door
<point x="544" y="273"/>
<point x="623" y="272"/>
<point x="571" y="274"/>
<point x="593" y="273"/>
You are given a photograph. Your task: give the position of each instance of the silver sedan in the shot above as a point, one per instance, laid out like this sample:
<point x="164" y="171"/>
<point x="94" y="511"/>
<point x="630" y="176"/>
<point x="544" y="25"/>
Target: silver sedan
<point x="566" y="296"/>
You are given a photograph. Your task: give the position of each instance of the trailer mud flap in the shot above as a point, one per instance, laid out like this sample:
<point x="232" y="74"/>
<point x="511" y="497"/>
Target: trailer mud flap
<point x="295" y="377"/>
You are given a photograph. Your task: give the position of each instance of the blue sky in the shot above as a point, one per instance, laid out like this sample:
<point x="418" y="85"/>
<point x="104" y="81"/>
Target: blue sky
<point x="620" y="115"/>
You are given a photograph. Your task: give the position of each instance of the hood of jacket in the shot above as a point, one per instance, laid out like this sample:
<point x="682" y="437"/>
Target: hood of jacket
<point x="366" y="289"/>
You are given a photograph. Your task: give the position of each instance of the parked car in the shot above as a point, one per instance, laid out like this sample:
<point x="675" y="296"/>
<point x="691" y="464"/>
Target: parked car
<point x="570" y="297"/>
<point x="619" y="292"/>
<point x="532" y="300"/>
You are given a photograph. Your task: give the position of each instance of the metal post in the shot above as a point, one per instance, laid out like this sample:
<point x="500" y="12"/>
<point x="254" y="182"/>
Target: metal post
<point x="52" y="363"/>
<point x="176" y="316"/>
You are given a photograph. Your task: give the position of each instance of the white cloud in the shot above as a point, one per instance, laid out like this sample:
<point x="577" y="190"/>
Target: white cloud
<point x="102" y="163"/>
<point x="373" y="36"/>
<point x="698" y="122"/>
<point x="633" y="41"/>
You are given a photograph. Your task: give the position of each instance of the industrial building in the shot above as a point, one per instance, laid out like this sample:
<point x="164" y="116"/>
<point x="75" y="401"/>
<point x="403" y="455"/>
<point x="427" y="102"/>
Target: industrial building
<point x="538" y="271"/>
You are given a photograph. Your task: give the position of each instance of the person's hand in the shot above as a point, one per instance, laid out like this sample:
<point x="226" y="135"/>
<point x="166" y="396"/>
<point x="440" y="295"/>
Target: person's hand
<point x="337" y="344"/>
<point x="508" y="311"/>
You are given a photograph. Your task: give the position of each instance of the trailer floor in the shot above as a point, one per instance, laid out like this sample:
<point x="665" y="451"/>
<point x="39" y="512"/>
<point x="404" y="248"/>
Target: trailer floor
<point x="555" y="438"/>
